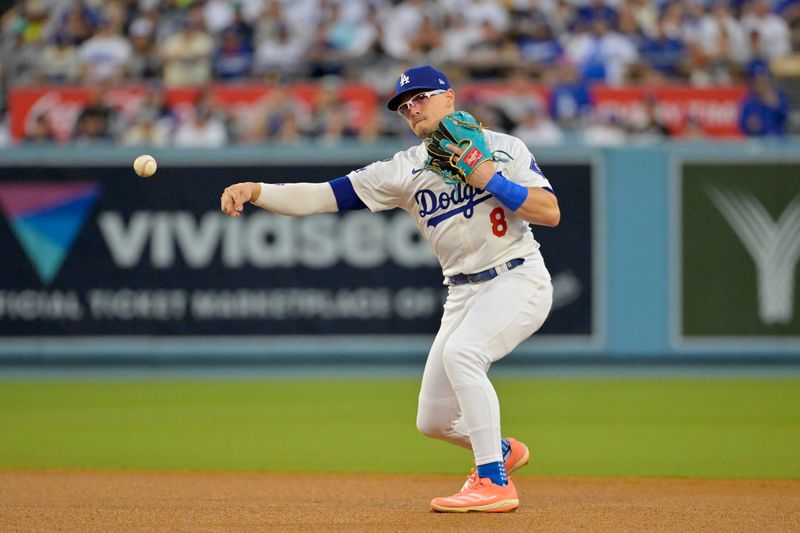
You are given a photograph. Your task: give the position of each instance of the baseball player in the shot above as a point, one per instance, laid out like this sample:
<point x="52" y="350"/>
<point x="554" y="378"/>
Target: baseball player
<point x="499" y="290"/>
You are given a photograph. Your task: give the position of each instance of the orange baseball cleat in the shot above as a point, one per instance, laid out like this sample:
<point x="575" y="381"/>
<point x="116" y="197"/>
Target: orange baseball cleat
<point x="518" y="457"/>
<point x="479" y="495"/>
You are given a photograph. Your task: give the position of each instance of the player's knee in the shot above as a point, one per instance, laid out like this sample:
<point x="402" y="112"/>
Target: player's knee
<point x="435" y="417"/>
<point x="463" y="358"/>
<point x="429" y="426"/>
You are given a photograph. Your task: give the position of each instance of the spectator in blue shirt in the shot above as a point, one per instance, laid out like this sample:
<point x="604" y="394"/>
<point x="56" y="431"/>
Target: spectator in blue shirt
<point x="233" y="58"/>
<point x="666" y="53"/>
<point x="570" y="100"/>
<point x="538" y="44"/>
<point x="765" y="109"/>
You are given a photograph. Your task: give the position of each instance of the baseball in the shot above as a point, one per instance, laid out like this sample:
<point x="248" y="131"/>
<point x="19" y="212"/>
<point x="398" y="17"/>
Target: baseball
<point x="145" y="166"/>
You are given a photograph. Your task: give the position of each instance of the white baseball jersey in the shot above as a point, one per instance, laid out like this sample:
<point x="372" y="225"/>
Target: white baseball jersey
<point x="468" y="228"/>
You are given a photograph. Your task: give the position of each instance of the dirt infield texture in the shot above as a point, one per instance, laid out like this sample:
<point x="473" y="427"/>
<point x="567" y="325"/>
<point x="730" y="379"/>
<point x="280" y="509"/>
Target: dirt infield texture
<point x="205" y="501"/>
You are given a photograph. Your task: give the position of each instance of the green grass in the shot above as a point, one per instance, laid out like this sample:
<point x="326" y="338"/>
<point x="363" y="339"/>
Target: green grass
<point x="635" y="427"/>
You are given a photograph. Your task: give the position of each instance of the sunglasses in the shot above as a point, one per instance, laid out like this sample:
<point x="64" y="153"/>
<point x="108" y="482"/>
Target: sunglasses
<point x="418" y="99"/>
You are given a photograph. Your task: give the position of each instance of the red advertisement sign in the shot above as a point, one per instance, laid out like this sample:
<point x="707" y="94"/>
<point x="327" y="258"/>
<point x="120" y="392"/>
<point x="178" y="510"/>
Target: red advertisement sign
<point x="713" y="111"/>
<point x="62" y="105"/>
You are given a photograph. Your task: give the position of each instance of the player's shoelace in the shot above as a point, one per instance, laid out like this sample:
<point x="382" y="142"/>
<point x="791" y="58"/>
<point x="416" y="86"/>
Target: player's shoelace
<point x="472" y="480"/>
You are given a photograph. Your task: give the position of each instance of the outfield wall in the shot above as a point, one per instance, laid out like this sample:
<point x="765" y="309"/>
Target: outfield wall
<point x="664" y="250"/>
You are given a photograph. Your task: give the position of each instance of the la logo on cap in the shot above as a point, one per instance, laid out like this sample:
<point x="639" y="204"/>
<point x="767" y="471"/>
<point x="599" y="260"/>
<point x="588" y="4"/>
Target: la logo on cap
<point x="404" y="79"/>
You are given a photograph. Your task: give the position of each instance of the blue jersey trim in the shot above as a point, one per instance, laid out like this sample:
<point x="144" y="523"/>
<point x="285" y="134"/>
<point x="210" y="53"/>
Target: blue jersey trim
<point x="346" y="197"/>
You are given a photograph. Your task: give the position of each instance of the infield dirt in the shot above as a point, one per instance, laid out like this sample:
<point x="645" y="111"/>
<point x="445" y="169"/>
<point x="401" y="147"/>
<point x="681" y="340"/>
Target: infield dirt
<point x="212" y="501"/>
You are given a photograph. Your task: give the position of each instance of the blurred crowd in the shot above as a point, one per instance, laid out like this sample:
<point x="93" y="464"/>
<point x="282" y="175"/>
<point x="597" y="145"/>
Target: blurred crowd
<point x="566" y="45"/>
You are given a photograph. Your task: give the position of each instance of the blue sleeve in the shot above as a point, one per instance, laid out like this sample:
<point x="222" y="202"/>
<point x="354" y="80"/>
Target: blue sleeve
<point x="346" y="197"/>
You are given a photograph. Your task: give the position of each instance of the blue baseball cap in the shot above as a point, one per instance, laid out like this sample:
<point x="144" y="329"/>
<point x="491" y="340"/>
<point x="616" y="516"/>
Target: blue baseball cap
<point x="424" y="77"/>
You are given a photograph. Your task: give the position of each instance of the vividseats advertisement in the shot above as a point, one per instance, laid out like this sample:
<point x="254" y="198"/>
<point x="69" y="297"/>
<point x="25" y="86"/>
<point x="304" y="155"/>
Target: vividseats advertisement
<point x="99" y="253"/>
<point x="739" y="251"/>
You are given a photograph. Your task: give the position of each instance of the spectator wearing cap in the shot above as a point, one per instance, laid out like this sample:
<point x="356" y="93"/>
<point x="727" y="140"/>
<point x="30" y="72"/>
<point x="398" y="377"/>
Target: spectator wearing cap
<point x="765" y="109"/>
<point x="233" y="57"/>
<point x="141" y="32"/>
<point x="59" y="62"/>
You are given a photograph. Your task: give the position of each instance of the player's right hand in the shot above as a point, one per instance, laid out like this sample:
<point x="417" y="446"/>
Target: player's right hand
<point x="234" y="197"/>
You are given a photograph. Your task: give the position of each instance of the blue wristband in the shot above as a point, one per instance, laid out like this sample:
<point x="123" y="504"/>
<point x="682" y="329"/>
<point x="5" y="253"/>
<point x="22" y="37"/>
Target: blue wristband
<point x="507" y="192"/>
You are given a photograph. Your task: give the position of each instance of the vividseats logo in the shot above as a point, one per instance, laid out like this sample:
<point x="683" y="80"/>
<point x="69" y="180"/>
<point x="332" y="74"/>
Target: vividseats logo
<point x="740" y="250"/>
<point x="774" y="246"/>
<point x="46" y="217"/>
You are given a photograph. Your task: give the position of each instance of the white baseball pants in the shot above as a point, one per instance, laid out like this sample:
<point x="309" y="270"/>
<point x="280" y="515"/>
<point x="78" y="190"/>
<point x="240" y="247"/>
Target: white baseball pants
<point x="481" y="324"/>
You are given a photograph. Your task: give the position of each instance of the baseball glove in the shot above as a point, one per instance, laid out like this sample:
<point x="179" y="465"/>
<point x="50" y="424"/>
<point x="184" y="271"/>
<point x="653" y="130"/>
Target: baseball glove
<point x="462" y="130"/>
